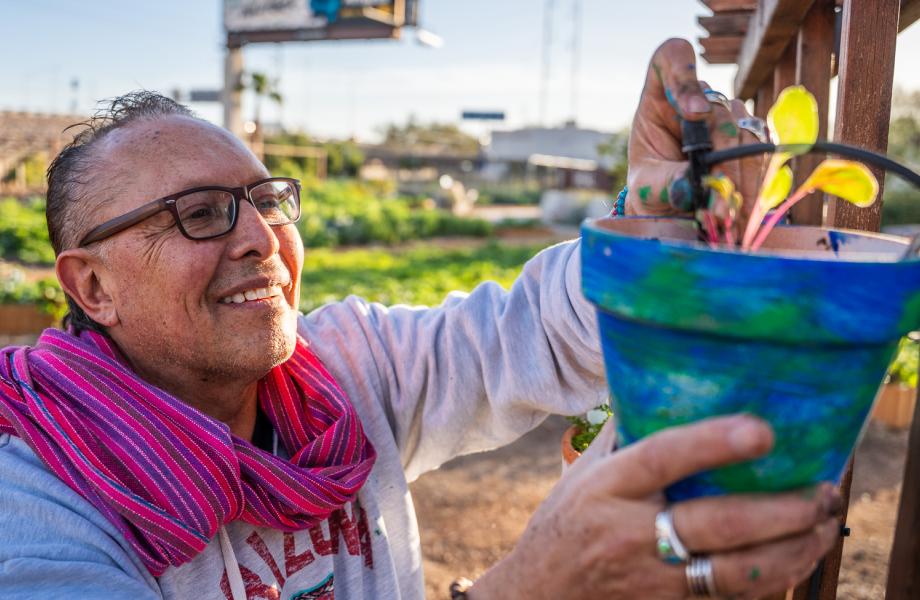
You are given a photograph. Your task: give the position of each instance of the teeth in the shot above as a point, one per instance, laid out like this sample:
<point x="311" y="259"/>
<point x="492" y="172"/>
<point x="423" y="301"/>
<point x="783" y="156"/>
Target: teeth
<point x="254" y="294"/>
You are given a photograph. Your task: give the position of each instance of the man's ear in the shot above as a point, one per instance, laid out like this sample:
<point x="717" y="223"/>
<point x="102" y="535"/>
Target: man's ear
<point x="81" y="274"/>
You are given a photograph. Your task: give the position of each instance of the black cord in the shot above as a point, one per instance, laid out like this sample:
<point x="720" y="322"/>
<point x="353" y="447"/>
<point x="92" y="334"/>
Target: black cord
<point x="719" y="156"/>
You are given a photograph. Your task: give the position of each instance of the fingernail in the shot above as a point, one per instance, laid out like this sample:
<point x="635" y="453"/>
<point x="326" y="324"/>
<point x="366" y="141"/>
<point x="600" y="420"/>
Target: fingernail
<point x="748" y="437"/>
<point x="696" y="104"/>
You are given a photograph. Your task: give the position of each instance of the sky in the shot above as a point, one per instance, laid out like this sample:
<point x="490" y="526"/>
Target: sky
<point x="491" y="59"/>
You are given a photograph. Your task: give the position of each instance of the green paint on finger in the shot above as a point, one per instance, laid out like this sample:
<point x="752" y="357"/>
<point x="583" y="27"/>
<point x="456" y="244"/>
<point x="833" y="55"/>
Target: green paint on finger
<point x="644" y="192"/>
<point x="755" y="574"/>
<point x="663" y="196"/>
<point x="658" y="73"/>
<point x="728" y="128"/>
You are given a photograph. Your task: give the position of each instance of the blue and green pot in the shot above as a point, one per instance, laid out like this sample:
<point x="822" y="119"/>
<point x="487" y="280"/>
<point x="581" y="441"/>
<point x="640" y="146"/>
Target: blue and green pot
<point x="800" y="333"/>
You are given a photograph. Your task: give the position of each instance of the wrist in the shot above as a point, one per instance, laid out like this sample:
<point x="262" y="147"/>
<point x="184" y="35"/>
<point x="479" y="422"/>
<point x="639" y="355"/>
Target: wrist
<point x="500" y="582"/>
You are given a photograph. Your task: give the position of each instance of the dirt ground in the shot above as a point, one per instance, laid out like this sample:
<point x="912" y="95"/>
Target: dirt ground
<point x="473" y="509"/>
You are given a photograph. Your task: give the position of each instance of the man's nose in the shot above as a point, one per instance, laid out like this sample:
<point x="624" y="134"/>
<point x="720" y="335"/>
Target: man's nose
<point x="253" y="234"/>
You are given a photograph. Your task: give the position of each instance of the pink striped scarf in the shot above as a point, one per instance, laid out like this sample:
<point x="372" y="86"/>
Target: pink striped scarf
<point x="165" y="474"/>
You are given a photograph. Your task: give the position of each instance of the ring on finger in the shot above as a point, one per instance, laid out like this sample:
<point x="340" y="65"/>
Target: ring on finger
<point x="700" y="577"/>
<point x="669" y="546"/>
<point x="717" y="98"/>
<point x="756" y="126"/>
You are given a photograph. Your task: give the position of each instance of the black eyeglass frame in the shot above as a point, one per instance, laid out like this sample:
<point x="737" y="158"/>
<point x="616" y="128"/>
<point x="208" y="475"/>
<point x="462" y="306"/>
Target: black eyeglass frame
<point x="132" y="218"/>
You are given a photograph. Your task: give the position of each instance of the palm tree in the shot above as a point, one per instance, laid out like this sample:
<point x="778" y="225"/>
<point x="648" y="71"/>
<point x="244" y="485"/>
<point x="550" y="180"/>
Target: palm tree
<point x="264" y="88"/>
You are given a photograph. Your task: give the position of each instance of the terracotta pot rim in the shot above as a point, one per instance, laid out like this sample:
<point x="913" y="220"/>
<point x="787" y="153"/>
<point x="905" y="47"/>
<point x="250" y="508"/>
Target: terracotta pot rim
<point x="569" y="453"/>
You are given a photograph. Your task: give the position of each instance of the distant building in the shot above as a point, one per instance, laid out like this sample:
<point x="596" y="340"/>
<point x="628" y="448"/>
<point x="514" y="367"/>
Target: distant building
<point x="559" y="158"/>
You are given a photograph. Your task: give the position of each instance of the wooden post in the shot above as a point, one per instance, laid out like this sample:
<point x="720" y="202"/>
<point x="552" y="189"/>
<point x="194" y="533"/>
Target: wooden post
<point x="904" y="564"/>
<point x="867" y="43"/>
<point x="814" y="47"/>
<point x="764" y="99"/>
<point x="784" y="74"/>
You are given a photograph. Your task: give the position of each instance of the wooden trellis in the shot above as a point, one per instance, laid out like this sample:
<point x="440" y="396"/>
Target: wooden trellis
<point x="777" y="43"/>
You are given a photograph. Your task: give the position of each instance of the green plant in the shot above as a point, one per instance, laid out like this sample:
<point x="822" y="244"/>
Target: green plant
<point x="23" y="233"/>
<point x="45" y="293"/>
<point x="422" y="275"/>
<point x="589" y="425"/>
<point x="905" y="365"/>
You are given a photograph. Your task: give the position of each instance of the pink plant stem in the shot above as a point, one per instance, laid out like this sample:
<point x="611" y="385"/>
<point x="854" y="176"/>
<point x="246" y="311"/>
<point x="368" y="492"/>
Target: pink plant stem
<point x="752" y="225"/>
<point x="729" y="231"/>
<point x="774" y="218"/>
<point x="711" y="228"/>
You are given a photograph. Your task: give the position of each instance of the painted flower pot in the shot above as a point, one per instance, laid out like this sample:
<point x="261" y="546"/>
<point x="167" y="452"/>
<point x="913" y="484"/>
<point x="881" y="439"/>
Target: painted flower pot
<point x="800" y="334"/>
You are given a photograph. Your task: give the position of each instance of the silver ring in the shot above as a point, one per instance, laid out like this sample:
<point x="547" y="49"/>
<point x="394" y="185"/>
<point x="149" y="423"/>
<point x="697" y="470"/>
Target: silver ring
<point x="718" y="98"/>
<point x="669" y="547"/>
<point x="756" y="126"/>
<point x="700" y="578"/>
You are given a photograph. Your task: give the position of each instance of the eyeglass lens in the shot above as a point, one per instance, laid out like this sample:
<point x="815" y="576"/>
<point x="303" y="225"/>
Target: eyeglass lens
<point x="209" y="213"/>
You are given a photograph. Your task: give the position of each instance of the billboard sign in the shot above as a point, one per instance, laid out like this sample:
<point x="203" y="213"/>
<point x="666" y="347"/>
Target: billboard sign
<point x="251" y="21"/>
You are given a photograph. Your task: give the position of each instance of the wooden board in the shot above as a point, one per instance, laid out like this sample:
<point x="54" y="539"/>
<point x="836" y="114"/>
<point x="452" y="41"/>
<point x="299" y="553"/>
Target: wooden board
<point x="735" y="23"/>
<point x="722" y="45"/>
<point x="867" y="48"/>
<point x="904" y="564"/>
<point x="718" y="6"/>
<point x="814" y="48"/>
<point x="773" y="25"/>
<point x="910" y="13"/>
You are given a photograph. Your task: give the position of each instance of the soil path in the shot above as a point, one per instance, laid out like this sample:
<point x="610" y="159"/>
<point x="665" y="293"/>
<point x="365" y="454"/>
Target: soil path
<point x="473" y="509"/>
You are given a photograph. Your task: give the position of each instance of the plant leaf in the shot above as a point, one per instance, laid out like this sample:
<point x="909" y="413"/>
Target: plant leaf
<point x="846" y="179"/>
<point x="793" y="119"/>
<point x="776" y="189"/>
<point x="721" y="184"/>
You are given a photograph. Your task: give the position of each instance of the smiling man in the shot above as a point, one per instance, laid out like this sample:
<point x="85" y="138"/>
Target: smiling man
<point x="191" y="435"/>
<point x="186" y="435"/>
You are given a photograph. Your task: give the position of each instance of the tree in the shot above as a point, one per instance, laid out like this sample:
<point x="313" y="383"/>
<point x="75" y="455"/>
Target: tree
<point x="263" y="87"/>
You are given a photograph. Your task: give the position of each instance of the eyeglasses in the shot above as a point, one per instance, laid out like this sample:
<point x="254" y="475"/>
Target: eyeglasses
<point x="204" y="213"/>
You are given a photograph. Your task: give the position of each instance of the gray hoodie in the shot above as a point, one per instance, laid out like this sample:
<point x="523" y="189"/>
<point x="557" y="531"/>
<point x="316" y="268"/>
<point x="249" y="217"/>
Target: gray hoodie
<point x="429" y="384"/>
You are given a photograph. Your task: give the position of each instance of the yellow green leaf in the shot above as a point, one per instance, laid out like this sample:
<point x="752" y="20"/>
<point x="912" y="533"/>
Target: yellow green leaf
<point x="793" y="119"/>
<point x="846" y="179"/>
<point x="721" y="184"/>
<point x="776" y="189"/>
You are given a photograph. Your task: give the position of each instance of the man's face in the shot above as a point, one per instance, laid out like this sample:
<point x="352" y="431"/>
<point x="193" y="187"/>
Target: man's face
<point x="177" y="300"/>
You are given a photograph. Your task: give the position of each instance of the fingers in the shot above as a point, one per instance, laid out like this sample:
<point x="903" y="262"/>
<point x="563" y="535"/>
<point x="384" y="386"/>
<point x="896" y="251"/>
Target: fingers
<point x="658" y="187"/>
<point x="708" y="525"/>
<point x="672" y="76"/>
<point x="760" y="571"/>
<point x="663" y="458"/>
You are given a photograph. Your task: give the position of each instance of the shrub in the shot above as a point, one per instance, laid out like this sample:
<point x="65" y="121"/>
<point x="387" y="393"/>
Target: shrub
<point x="23" y="233"/>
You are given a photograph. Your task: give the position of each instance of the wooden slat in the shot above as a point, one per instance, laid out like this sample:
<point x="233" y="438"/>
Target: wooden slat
<point x="719" y="59"/>
<point x="830" y="566"/>
<point x="722" y="45"/>
<point x="784" y="72"/>
<point x="814" y="48"/>
<point x="718" y="6"/>
<point x="867" y="46"/>
<point x="763" y="99"/>
<point x="904" y="564"/>
<point x="773" y="25"/>
<point x="910" y="13"/>
<point x="726" y="24"/>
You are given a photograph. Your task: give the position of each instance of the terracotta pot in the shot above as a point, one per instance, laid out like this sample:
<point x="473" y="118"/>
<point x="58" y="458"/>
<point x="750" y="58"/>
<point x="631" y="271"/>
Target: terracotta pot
<point x="895" y="405"/>
<point x="569" y="454"/>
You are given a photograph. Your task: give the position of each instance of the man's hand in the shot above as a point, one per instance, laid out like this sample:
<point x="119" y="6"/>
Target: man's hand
<point x="594" y="536"/>
<point x="656" y="164"/>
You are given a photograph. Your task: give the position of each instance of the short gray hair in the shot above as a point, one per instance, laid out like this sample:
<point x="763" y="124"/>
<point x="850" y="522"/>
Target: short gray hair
<point x="72" y="173"/>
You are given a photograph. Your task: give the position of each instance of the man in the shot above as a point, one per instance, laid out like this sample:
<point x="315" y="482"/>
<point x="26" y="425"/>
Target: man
<point x="193" y="436"/>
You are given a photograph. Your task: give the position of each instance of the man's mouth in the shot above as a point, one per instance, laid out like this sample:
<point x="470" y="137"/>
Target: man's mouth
<point x="252" y="295"/>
